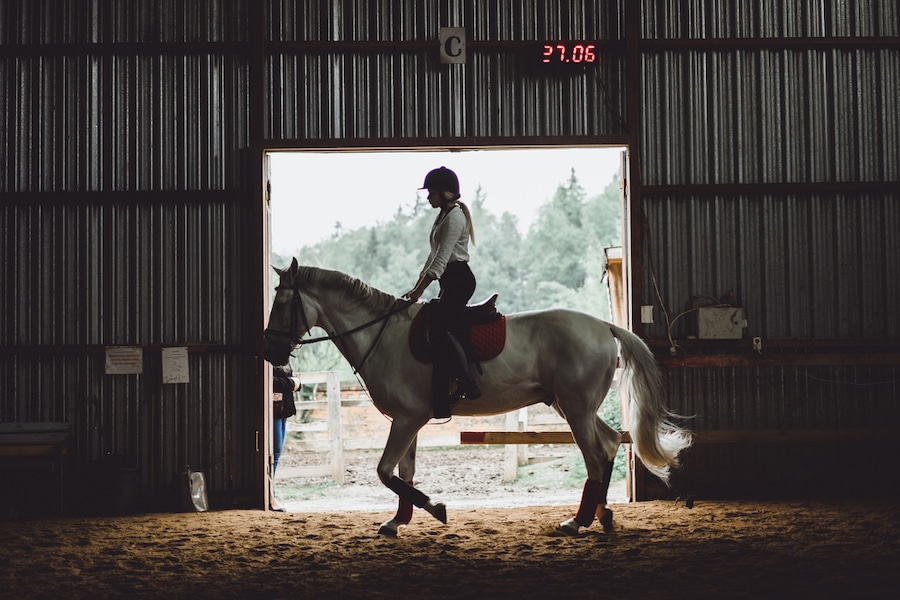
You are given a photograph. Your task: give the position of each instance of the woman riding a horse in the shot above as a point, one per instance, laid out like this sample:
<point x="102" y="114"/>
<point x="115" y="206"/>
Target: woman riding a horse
<point x="447" y="262"/>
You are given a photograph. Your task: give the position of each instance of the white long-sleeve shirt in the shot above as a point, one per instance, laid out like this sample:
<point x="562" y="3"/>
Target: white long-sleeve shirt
<point x="449" y="242"/>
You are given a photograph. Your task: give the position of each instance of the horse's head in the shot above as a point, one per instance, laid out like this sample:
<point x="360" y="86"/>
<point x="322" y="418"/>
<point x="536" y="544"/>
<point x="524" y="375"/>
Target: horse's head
<point x="287" y="319"/>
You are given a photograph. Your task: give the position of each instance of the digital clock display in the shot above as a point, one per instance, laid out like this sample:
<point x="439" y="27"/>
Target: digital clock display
<point x="568" y="53"/>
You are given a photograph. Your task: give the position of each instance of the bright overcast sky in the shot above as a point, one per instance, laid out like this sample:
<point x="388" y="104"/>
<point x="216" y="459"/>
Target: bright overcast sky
<point x="311" y="191"/>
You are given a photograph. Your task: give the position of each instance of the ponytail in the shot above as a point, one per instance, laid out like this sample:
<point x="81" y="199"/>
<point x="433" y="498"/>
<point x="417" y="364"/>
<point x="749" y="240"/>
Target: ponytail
<point x="466" y="212"/>
<point x="451" y="197"/>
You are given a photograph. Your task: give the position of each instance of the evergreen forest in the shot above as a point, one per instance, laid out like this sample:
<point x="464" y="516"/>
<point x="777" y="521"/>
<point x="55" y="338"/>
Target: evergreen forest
<point x="558" y="262"/>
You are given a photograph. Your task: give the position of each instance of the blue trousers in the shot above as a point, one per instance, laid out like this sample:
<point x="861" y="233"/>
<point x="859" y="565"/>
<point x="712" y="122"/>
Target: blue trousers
<point x="279" y="427"/>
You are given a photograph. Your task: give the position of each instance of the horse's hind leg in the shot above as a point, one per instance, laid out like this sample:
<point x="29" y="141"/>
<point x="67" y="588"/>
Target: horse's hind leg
<point x="593" y="502"/>
<point x="604" y="514"/>
<point x="406" y="471"/>
<point x="598" y="442"/>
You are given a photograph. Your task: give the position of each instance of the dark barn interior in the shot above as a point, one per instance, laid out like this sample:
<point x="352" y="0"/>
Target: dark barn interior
<point x="763" y="170"/>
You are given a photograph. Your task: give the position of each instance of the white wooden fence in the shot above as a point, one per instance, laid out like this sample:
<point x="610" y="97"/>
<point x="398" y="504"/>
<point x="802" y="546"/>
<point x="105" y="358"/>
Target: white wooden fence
<point x="335" y="443"/>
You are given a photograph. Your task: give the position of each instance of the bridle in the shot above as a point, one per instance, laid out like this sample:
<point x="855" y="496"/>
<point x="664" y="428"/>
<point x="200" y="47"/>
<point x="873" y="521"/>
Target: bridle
<point x="297" y="306"/>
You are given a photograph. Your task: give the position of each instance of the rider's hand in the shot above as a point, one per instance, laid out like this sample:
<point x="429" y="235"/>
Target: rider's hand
<point x="418" y="289"/>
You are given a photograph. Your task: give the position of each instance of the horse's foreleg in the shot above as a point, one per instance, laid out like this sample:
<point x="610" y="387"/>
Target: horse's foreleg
<point x="410" y="494"/>
<point x="406" y="470"/>
<point x="401" y="438"/>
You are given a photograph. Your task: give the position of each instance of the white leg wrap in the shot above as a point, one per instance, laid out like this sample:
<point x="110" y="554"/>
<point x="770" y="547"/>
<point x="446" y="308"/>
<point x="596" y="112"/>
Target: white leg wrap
<point x="570" y="527"/>
<point x="390" y="528"/>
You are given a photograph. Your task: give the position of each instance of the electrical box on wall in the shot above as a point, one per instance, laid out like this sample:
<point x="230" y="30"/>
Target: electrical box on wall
<point x="721" y="322"/>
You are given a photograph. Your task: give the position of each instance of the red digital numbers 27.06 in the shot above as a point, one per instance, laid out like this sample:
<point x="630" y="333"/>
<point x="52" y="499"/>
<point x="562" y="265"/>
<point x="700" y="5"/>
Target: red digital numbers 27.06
<point x="569" y="54"/>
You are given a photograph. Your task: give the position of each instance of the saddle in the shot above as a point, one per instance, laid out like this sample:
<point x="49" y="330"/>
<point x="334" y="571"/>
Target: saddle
<point x="481" y="331"/>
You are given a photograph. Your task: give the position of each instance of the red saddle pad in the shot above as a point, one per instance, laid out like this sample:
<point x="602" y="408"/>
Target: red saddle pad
<point x="486" y="339"/>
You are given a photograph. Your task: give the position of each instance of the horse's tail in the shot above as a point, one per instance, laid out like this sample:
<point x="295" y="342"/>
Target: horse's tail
<point x="656" y="440"/>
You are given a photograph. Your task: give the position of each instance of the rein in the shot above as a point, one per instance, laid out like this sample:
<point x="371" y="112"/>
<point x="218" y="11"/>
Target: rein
<point x="366" y="325"/>
<point x="334" y="337"/>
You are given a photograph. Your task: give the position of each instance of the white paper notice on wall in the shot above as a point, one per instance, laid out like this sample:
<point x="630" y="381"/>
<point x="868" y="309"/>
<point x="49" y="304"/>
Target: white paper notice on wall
<point x="175" y="365"/>
<point x="124" y="360"/>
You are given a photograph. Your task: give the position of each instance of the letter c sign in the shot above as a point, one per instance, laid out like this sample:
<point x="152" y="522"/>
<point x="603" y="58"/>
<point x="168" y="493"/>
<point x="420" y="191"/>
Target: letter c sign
<point x="453" y="45"/>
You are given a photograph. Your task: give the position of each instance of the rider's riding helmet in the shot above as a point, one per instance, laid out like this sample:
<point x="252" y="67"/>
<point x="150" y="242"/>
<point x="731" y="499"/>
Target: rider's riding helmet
<point x="442" y="179"/>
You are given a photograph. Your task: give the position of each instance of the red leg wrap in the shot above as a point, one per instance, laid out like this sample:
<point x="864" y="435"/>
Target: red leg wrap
<point x="590" y="499"/>
<point x="404" y="511"/>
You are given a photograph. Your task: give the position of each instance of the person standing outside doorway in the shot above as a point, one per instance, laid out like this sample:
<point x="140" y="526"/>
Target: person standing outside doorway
<point x="284" y="384"/>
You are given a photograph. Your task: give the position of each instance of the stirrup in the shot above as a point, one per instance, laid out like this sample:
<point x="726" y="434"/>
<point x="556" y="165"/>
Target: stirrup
<point x="441" y="410"/>
<point x="439" y="415"/>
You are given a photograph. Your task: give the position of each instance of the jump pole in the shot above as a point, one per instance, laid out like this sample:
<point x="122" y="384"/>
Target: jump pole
<point x="523" y="437"/>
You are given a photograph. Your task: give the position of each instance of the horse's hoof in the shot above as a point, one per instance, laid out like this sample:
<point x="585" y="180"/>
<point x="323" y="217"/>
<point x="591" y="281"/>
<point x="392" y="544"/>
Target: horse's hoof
<point x="570" y="527"/>
<point x="388" y="528"/>
<point x="606" y="520"/>
<point x="438" y="511"/>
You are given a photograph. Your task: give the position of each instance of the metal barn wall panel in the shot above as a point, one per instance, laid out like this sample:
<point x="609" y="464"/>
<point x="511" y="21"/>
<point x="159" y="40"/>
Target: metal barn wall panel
<point x="391" y="86"/>
<point x="53" y="22"/>
<point x="134" y="425"/>
<point x="837" y="398"/>
<point x="124" y="209"/>
<point x="775" y="19"/>
<point x="393" y="21"/>
<point x="767" y="116"/>
<point x="803" y="267"/>
<point x="758" y="398"/>
<point x="181" y="119"/>
<point x="769" y="164"/>
<point x="83" y="278"/>
<point x="115" y="275"/>
<point x="366" y="96"/>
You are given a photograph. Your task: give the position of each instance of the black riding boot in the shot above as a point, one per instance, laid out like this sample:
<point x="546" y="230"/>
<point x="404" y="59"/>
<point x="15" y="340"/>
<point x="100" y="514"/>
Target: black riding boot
<point x="440" y="387"/>
<point x="465" y="384"/>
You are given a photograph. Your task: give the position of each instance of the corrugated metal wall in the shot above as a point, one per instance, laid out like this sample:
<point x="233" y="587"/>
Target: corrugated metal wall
<point x="124" y="136"/>
<point x="770" y="162"/>
<point x="766" y="162"/>
<point x="371" y="71"/>
<point x="369" y="95"/>
<point x="829" y="115"/>
<point x="804" y="266"/>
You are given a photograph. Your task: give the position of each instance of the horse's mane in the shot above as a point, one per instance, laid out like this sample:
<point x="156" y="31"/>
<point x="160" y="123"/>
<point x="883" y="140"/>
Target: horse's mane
<point x="351" y="287"/>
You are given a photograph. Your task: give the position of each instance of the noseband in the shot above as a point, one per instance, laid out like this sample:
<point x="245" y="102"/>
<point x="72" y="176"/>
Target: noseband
<point x="296" y="306"/>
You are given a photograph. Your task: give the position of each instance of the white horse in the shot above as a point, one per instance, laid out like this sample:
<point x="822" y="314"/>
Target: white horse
<point x="561" y="357"/>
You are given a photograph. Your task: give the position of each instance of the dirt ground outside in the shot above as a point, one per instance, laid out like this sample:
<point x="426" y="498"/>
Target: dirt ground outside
<point x="461" y="477"/>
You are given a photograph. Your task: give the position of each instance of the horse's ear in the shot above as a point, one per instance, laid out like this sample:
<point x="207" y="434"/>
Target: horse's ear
<point x="277" y="270"/>
<point x="294" y="264"/>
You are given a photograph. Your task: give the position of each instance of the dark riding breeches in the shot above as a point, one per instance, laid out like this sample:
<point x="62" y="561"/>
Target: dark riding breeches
<point x="457" y="287"/>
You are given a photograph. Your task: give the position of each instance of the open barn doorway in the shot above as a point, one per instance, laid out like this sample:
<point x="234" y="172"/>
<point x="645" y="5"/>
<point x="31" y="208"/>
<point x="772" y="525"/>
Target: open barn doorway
<point x="545" y="220"/>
